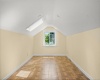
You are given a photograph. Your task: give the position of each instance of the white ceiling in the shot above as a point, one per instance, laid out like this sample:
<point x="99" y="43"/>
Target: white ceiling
<point x="69" y="16"/>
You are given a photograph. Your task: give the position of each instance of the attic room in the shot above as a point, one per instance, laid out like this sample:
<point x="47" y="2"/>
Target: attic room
<point x="50" y="39"/>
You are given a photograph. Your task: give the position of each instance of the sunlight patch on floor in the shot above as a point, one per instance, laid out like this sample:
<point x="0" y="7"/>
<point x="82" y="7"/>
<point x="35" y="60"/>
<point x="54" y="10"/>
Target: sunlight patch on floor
<point x="23" y="74"/>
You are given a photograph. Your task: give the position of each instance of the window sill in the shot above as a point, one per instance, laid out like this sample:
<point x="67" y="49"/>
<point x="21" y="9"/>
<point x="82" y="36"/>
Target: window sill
<point x="49" y="45"/>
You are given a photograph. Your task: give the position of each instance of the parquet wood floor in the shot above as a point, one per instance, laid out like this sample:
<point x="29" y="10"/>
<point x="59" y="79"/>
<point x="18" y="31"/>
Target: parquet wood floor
<point x="50" y="68"/>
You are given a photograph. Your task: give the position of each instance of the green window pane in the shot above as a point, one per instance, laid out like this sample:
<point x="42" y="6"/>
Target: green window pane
<point x="49" y="38"/>
<point x="52" y="38"/>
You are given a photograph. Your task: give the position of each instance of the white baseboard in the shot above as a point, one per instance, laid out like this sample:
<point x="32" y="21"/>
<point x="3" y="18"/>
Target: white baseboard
<point x="5" y="78"/>
<point x="49" y="54"/>
<point x="84" y="72"/>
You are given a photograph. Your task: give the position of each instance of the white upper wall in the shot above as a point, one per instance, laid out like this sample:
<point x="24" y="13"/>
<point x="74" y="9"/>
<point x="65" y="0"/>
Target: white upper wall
<point x="73" y="16"/>
<point x="69" y="16"/>
<point x="17" y="15"/>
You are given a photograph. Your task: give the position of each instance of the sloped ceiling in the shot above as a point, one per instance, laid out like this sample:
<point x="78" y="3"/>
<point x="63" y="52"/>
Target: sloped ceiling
<point x="69" y="16"/>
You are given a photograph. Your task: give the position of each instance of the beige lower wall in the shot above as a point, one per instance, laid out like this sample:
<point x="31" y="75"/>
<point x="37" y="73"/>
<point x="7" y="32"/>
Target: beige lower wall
<point x="84" y="49"/>
<point x="60" y="47"/>
<point x="0" y="58"/>
<point x="15" y="48"/>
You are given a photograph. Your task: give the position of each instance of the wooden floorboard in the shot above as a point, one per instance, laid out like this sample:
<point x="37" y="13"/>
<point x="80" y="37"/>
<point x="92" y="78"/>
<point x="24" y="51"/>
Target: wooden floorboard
<point x="50" y="68"/>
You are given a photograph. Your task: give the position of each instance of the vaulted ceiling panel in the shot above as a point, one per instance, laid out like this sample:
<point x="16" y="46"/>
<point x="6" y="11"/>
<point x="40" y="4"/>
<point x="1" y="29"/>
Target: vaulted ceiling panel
<point x="69" y="16"/>
<point x="17" y="15"/>
<point x="75" y="16"/>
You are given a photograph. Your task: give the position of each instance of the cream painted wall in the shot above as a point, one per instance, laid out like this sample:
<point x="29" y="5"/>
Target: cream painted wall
<point x="84" y="49"/>
<point x="0" y="55"/>
<point x="60" y="47"/>
<point x="15" y="48"/>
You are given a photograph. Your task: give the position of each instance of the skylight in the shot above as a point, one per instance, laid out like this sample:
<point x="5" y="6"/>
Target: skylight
<point x="35" y="25"/>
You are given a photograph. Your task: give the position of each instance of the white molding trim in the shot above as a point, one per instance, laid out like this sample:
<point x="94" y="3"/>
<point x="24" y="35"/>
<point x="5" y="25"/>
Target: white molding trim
<point x="49" y="54"/>
<point x="44" y="31"/>
<point x="83" y="71"/>
<point x="8" y="75"/>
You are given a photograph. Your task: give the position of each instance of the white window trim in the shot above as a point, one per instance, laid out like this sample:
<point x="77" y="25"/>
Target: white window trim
<point x="44" y="38"/>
